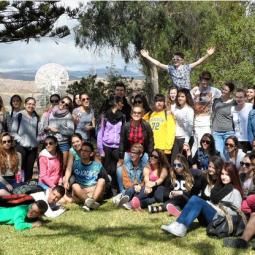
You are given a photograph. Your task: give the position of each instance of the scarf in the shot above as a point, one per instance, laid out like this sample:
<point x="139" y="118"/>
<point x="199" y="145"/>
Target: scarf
<point x="219" y="191"/>
<point x="57" y="113"/>
<point x="114" y="118"/>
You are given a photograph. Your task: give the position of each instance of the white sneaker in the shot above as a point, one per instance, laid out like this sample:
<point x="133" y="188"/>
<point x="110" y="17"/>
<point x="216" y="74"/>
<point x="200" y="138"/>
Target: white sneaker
<point x="127" y="206"/>
<point x="91" y="203"/>
<point x="86" y="208"/>
<point x="116" y="199"/>
<point x="175" y="228"/>
<point x="124" y="199"/>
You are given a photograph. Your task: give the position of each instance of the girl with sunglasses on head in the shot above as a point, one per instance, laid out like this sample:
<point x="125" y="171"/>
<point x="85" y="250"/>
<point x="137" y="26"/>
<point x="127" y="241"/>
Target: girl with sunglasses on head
<point x="50" y="164"/>
<point x="184" y="117"/>
<point x="84" y="118"/>
<point x="203" y="153"/>
<point x="60" y="124"/>
<point x="232" y="153"/>
<point x="54" y="100"/>
<point x="140" y="100"/>
<point x="25" y="131"/>
<point x="15" y="103"/>
<point x="10" y="164"/>
<point x="154" y="174"/>
<point x="177" y="188"/>
<point x="227" y="189"/>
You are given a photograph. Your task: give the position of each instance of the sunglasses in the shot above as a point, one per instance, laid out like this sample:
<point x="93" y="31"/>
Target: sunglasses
<point x="176" y="59"/>
<point x="177" y="165"/>
<point x="229" y="145"/>
<point x="134" y="152"/>
<point x="138" y="101"/>
<point x="205" y="141"/>
<point x="85" y="99"/>
<point x="154" y="156"/>
<point x="137" y="113"/>
<point x="64" y="103"/>
<point x="6" y="141"/>
<point x="54" y="101"/>
<point x="49" y="143"/>
<point x="245" y="164"/>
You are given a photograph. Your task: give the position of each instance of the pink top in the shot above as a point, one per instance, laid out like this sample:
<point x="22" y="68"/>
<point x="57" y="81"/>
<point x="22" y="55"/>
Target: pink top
<point x="152" y="176"/>
<point x="50" y="169"/>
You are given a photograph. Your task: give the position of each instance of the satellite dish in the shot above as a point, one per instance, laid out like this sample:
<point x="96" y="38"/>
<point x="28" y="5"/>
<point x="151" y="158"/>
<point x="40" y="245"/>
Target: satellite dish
<point x="52" y="78"/>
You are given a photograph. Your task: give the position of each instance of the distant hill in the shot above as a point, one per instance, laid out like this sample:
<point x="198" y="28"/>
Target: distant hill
<point x="73" y="75"/>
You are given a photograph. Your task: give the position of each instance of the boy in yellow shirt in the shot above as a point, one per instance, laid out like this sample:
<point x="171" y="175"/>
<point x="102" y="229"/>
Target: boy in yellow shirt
<point x="163" y="126"/>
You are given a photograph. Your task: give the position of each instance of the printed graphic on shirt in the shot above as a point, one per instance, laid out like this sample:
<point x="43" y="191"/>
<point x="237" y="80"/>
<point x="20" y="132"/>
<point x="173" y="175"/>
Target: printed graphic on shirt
<point x="179" y="185"/>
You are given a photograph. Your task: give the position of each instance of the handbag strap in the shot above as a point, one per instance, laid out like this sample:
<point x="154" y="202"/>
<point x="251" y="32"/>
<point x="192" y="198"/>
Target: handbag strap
<point x="228" y="218"/>
<point x="237" y="210"/>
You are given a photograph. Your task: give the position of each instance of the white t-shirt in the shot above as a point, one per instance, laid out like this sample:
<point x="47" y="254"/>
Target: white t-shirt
<point x="240" y="119"/>
<point x="184" y="118"/>
<point x="53" y="210"/>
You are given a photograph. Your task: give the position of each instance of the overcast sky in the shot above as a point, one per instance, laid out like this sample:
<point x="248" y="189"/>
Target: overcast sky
<point x="22" y="56"/>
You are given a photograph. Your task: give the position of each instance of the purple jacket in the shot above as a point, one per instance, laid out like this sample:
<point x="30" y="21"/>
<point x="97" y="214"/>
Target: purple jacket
<point x="108" y="135"/>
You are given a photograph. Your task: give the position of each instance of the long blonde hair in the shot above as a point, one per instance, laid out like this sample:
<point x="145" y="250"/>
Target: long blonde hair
<point x="14" y="159"/>
<point x="189" y="180"/>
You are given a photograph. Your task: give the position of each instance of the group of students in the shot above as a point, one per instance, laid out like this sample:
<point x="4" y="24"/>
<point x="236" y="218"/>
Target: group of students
<point x="192" y="150"/>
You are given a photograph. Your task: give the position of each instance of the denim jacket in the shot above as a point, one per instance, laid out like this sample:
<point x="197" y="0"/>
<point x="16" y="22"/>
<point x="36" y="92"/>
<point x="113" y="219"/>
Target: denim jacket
<point x="251" y="125"/>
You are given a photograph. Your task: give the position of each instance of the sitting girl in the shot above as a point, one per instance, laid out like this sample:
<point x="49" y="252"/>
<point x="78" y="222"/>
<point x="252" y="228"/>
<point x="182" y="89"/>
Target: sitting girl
<point x="154" y="175"/>
<point x="228" y="189"/>
<point x="176" y="189"/>
<point x="50" y="164"/>
<point x="10" y="163"/>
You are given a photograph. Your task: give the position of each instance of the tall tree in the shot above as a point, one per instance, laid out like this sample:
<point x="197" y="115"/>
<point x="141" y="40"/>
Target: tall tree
<point x="23" y="20"/>
<point x="166" y="27"/>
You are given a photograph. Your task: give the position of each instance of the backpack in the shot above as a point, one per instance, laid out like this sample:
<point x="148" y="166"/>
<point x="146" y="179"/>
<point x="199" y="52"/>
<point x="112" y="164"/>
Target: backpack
<point x="16" y="199"/>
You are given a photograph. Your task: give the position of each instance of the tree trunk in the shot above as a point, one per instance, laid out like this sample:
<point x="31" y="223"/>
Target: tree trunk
<point x="154" y="86"/>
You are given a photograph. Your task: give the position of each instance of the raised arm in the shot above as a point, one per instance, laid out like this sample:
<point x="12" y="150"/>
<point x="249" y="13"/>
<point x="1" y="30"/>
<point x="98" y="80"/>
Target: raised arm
<point x="210" y="51"/>
<point x="146" y="55"/>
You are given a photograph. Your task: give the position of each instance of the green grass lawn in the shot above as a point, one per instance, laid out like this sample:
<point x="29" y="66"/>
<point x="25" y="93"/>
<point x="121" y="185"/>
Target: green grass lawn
<point x="108" y="230"/>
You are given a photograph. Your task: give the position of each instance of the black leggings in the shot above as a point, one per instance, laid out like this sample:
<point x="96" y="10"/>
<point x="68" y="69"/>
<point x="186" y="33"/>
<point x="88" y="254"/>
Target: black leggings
<point x="28" y="159"/>
<point x="110" y="164"/>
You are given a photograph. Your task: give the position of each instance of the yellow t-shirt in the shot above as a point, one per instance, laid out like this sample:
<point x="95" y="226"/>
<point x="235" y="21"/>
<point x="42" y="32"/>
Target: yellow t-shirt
<point x="163" y="127"/>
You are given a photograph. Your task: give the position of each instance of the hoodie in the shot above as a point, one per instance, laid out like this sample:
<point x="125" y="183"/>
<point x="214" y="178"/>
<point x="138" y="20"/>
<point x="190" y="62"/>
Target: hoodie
<point x="51" y="172"/>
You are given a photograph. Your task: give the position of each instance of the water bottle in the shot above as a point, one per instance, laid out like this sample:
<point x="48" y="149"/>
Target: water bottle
<point x="19" y="176"/>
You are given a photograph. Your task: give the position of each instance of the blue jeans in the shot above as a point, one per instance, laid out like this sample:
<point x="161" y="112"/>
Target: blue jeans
<point x="220" y="138"/>
<point x="196" y="208"/>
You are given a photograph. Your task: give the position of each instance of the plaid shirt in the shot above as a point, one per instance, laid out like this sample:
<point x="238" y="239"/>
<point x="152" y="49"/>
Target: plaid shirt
<point x="136" y="134"/>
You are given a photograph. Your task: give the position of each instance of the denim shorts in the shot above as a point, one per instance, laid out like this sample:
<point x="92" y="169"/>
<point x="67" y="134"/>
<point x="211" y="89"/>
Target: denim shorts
<point x="64" y="147"/>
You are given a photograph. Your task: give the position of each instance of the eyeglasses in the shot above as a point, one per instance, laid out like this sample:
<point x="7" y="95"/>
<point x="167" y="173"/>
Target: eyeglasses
<point x="246" y="164"/>
<point x="205" y="141"/>
<point x="64" y="103"/>
<point x="137" y="113"/>
<point x="154" y="156"/>
<point x="54" y="101"/>
<point x="6" y="141"/>
<point x="135" y="152"/>
<point x="229" y="145"/>
<point x="176" y="59"/>
<point x="138" y="101"/>
<point x="86" y="151"/>
<point x="177" y="165"/>
<point x="85" y="99"/>
<point x="49" y="143"/>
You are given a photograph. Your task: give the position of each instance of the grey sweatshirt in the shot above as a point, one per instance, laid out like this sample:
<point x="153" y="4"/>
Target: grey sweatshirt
<point x="25" y="133"/>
